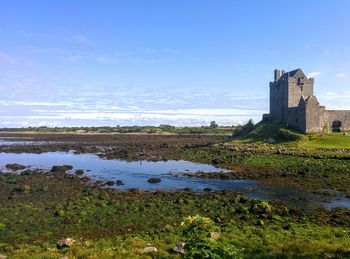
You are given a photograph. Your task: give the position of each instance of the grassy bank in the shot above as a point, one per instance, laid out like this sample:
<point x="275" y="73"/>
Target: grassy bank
<point x="38" y="209"/>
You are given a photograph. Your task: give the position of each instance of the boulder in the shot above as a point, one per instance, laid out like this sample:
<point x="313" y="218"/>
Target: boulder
<point x="79" y="172"/>
<point x="15" y="167"/>
<point x="215" y="235"/>
<point x="110" y="183"/>
<point x="3" y="256"/>
<point x="61" y="168"/>
<point x="154" y="180"/>
<point x="180" y="248"/>
<point x="66" y="242"/>
<point x="119" y="182"/>
<point x="150" y="249"/>
<point x="271" y="140"/>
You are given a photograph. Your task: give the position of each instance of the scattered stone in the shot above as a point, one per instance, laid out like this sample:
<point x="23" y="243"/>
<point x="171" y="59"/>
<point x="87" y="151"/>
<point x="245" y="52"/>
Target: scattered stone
<point x="119" y="182"/>
<point x="150" y="249"/>
<point x="180" y="248"/>
<point x="109" y="183"/>
<point x="27" y="172"/>
<point x="67" y="242"/>
<point x="271" y="140"/>
<point x="15" y="167"/>
<point x="154" y="180"/>
<point x="215" y="235"/>
<point x="79" y="172"/>
<point x="61" y="168"/>
<point x="85" y="179"/>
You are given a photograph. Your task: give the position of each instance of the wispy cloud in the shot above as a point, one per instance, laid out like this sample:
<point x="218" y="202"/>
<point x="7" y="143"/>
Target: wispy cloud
<point x="107" y="59"/>
<point x="74" y="58"/>
<point x="81" y="39"/>
<point x="314" y="74"/>
<point x="340" y="75"/>
<point x="7" y="58"/>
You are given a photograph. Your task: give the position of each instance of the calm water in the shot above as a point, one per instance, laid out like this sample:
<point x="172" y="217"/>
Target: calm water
<point x="9" y="141"/>
<point x="135" y="175"/>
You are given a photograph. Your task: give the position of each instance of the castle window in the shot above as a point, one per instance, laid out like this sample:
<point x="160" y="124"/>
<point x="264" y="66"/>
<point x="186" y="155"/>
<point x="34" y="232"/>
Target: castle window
<point x="299" y="81"/>
<point x="296" y="120"/>
<point x="301" y="88"/>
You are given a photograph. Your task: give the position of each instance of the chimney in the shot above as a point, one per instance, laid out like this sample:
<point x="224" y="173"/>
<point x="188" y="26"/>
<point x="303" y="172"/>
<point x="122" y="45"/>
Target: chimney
<point x="277" y="74"/>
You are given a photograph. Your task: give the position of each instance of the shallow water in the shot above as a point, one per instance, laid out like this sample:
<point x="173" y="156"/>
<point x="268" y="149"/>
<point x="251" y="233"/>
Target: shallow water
<point x="9" y="141"/>
<point x="136" y="173"/>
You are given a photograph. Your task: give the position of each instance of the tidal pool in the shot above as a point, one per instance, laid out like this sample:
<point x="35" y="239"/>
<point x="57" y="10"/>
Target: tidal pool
<point x="136" y="173"/>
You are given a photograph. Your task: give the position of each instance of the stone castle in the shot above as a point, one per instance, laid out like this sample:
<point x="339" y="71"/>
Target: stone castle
<point x="292" y="102"/>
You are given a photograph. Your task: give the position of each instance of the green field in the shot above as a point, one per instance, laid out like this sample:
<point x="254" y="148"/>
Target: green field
<point x="333" y="140"/>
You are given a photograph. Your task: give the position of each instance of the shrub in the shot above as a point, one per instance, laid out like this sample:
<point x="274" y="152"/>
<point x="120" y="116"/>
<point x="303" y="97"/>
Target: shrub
<point x="199" y="244"/>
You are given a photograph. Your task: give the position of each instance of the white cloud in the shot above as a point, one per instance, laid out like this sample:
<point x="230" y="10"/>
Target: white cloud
<point x="74" y="58"/>
<point x="340" y="75"/>
<point x="314" y="74"/>
<point x="81" y="39"/>
<point x="107" y="59"/>
<point x="8" y="58"/>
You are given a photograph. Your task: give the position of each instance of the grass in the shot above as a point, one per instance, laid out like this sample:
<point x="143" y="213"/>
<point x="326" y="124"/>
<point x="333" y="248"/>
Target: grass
<point x="111" y="224"/>
<point x="263" y="131"/>
<point x="332" y="140"/>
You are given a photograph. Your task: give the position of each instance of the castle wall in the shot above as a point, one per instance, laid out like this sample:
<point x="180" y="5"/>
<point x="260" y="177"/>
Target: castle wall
<point x="297" y="89"/>
<point x="331" y="116"/>
<point x="296" y="118"/>
<point x="313" y="116"/>
<point x="278" y="100"/>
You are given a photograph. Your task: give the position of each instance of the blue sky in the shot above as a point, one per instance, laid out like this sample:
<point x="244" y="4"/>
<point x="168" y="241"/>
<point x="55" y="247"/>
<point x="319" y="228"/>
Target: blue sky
<point x="72" y="63"/>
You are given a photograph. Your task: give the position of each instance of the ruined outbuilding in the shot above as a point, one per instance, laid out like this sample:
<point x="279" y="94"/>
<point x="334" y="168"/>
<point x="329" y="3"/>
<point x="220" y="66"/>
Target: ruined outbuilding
<point x="292" y="102"/>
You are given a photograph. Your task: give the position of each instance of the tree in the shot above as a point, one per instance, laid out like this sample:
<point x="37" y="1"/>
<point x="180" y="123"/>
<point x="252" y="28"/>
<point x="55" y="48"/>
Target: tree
<point x="213" y="124"/>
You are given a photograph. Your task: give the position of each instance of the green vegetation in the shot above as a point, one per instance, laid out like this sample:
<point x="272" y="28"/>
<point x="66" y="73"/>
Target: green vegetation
<point x="39" y="209"/>
<point x="162" y="129"/>
<point x="277" y="164"/>
<point x="110" y="224"/>
<point x="333" y="140"/>
<point x="263" y="131"/>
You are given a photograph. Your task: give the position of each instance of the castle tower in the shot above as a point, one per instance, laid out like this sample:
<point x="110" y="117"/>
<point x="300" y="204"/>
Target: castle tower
<point x="286" y="91"/>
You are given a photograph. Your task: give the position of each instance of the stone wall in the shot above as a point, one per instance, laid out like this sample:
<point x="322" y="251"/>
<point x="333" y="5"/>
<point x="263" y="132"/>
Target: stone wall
<point x="331" y="116"/>
<point x="299" y="86"/>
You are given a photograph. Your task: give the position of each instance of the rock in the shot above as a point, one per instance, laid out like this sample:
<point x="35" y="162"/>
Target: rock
<point x="154" y="180"/>
<point x="271" y="140"/>
<point x="207" y="189"/>
<point x="150" y="249"/>
<point x="180" y="248"/>
<point x="79" y="172"/>
<point x="27" y="172"/>
<point x="64" y="257"/>
<point x="15" y="167"/>
<point x="119" y="182"/>
<point x="3" y="256"/>
<point x="67" y="242"/>
<point x="61" y="168"/>
<point x="85" y="179"/>
<point x="109" y="183"/>
<point x="215" y="235"/>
